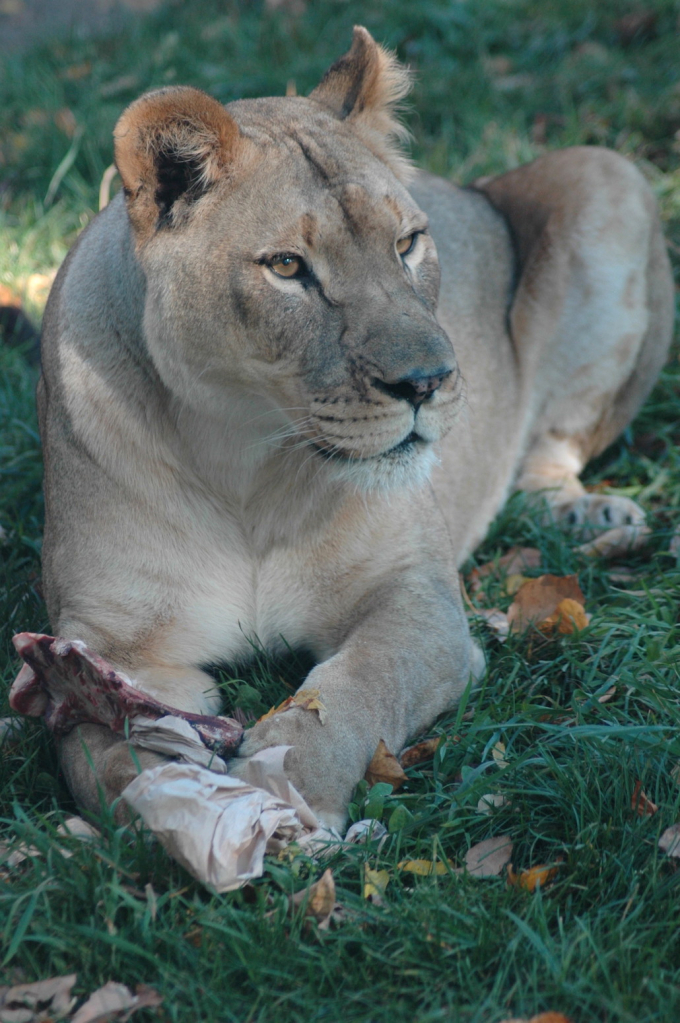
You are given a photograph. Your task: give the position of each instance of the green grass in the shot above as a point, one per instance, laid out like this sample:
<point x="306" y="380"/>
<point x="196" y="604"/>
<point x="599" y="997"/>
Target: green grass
<point x="497" y="83"/>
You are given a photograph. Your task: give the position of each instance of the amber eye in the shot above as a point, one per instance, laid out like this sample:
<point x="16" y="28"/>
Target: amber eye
<point x="405" y="245"/>
<point x="286" y="266"/>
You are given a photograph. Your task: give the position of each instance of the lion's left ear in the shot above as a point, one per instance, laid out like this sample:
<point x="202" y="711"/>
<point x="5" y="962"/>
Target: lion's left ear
<point x="364" y="88"/>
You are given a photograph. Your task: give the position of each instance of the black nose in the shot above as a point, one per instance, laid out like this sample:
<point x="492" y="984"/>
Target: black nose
<point x="415" y="389"/>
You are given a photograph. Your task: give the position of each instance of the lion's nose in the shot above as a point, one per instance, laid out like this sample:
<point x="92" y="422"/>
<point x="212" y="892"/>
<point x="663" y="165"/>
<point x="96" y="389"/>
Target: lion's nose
<point x="415" y="389"/>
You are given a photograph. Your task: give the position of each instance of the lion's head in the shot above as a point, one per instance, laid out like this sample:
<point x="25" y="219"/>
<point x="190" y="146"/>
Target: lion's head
<point x="286" y="261"/>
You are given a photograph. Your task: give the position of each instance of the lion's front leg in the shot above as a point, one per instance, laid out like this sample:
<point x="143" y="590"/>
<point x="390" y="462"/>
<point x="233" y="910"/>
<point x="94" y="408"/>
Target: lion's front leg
<point x="407" y="659"/>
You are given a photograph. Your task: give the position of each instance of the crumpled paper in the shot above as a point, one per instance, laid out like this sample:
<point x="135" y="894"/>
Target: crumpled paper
<point x="175" y="737"/>
<point x="218" y="827"/>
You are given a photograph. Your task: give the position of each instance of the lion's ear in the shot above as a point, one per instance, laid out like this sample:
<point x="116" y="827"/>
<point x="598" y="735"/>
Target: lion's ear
<point x="172" y="145"/>
<point x="364" y="88"/>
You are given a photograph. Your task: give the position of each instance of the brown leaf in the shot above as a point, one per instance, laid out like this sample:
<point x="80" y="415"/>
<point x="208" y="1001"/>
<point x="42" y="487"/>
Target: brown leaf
<point x="305" y="699"/>
<point x="65" y="121"/>
<point x="670" y="841"/>
<point x="31" y="1003"/>
<point x="606" y="697"/>
<point x="9" y="297"/>
<point x="532" y="878"/>
<point x="496" y="620"/>
<point x="569" y="616"/>
<point x="513" y="562"/>
<point x="318" y="900"/>
<point x="489" y="858"/>
<point x="75" y="72"/>
<point x="543" y="1017"/>
<point x="641" y="802"/>
<point x="539" y="598"/>
<point x="614" y="543"/>
<point x="385" y="767"/>
<point x="422" y="751"/>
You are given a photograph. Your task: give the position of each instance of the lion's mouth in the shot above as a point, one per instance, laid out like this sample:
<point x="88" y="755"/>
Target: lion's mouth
<point x="407" y="444"/>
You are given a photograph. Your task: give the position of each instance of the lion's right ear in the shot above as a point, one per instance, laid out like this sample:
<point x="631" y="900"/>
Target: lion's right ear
<point x="172" y="146"/>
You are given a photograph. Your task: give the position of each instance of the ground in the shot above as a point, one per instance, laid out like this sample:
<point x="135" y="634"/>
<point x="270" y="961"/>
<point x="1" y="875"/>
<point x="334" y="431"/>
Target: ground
<point x="497" y="82"/>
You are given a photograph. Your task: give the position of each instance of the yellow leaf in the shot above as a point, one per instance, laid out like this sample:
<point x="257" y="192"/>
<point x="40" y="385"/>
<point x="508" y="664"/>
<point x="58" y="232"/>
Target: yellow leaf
<point x="375" y="883"/>
<point x="305" y="699"/>
<point x="532" y="878"/>
<point x="384" y="767"/>
<point x="425" y="868"/>
<point x="568" y="616"/>
<point x="538" y="599"/>
<point x="498" y="753"/>
<point x="513" y="583"/>
<point x="318" y="899"/>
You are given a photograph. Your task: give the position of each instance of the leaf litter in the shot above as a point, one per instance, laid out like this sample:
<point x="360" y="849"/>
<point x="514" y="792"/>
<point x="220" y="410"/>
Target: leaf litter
<point x="486" y="859"/>
<point x="384" y="767"/>
<point x="46" y="1000"/>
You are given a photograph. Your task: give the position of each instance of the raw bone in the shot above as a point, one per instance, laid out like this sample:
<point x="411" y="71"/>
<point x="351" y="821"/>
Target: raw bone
<point x="70" y="685"/>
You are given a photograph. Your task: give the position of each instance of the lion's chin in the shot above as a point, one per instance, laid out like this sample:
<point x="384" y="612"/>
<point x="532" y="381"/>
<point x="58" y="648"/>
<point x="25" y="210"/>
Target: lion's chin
<point x="407" y="465"/>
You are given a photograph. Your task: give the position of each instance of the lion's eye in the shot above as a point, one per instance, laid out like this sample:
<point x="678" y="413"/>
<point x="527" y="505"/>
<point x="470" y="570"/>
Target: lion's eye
<point x="405" y="245"/>
<point x="287" y="266"/>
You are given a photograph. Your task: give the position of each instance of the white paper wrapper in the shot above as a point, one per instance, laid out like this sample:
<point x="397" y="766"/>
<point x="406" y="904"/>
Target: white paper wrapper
<point x="220" y="827"/>
<point x="175" y="737"/>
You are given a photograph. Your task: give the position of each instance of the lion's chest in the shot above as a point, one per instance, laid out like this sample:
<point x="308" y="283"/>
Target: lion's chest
<point x="293" y="595"/>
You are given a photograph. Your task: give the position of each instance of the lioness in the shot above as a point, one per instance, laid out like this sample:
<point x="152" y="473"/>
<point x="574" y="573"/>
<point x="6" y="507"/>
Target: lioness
<point x="283" y="395"/>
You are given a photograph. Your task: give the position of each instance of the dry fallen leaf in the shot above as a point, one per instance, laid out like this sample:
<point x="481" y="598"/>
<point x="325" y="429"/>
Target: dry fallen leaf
<point x="386" y="768"/>
<point x="513" y="583"/>
<point x="674" y="545"/>
<point x="305" y="699"/>
<point x="74" y="827"/>
<point x="490" y="801"/>
<point x="367" y="830"/>
<point x="606" y="697"/>
<point x="616" y="542"/>
<point x="498" y="754"/>
<point x="490" y="857"/>
<point x="496" y="620"/>
<point x="513" y="562"/>
<point x="543" y="1017"/>
<point x="532" y="878"/>
<point x="670" y="841"/>
<point x="569" y="616"/>
<point x="42" y="1000"/>
<point x="426" y="868"/>
<point x="318" y="900"/>
<point x="75" y="72"/>
<point x="422" y="751"/>
<point x="538" y="599"/>
<point x="641" y="803"/>
<point x="115" y="1001"/>
<point x="375" y="883"/>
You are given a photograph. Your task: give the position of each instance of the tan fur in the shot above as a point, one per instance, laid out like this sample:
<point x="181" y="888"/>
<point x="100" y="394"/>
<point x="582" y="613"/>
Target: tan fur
<point x="232" y="455"/>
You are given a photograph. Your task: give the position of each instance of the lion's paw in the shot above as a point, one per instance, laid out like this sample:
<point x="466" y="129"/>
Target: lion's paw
<point x="314" y="765"/>
<point x="594" y="512"/>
